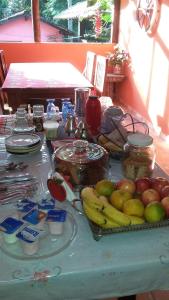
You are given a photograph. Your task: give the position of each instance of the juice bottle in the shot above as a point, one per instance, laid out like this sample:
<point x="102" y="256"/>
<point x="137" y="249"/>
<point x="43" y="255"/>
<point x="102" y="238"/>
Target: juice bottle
<point x="93" y="115"/>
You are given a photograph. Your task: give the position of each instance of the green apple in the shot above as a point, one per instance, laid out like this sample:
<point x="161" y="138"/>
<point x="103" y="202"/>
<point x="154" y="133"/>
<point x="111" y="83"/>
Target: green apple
<point x="118" y="197"/>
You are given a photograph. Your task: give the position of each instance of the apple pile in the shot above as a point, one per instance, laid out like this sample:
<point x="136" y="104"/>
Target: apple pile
<point x="155" y="189"/>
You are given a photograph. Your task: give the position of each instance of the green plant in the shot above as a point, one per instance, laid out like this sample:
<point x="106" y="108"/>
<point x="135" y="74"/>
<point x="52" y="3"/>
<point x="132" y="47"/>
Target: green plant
<point x="119" y="56"/>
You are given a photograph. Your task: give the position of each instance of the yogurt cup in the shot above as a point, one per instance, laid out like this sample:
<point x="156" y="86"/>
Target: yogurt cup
<point x="29" y="239"/>
<point x="10" y="227"/>
<point x="51" y="129"/>
<point x="56" y="219"/>
<point x="24" y="206"/>
<point x="46" y="204"/>
<point x="35" y="217"/>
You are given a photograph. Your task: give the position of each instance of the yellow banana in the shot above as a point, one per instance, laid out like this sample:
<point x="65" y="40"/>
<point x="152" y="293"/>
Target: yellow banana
<point x="88" y="195"/>
<point x="136" y="220"/>
<point x="93" y="214"/>
<point x="109" y="224"/>
<point x="116" y="216"/>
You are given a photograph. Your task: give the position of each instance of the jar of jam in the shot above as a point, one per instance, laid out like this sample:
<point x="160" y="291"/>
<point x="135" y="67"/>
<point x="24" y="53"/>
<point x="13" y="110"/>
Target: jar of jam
<point x="139" y="156"/>
<point x="38" y="116"/>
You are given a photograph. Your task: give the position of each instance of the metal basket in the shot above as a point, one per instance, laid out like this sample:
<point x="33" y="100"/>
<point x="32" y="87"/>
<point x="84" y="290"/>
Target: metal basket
<point x="99" y="232"/>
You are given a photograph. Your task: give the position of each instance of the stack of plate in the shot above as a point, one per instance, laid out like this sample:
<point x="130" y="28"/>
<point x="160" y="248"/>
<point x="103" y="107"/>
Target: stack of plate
<point x="23" y="143"/>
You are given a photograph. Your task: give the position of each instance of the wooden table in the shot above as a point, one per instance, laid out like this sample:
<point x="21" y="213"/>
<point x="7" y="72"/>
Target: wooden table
<point x="32" y="82"/>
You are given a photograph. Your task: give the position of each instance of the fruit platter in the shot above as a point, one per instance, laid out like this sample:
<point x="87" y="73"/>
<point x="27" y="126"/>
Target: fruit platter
<point x="126" y="205"/>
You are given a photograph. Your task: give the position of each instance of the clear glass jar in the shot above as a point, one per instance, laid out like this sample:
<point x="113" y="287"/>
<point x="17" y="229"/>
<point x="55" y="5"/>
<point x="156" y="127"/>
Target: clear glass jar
<point x="139" y="156"/>
<point x="38" y="116"/>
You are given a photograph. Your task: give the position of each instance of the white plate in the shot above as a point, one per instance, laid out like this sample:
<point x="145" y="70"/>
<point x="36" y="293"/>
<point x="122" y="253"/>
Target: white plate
<point x="24" y="150"/>
<point x="18" y="141"/>
<point x="24" y="130"/>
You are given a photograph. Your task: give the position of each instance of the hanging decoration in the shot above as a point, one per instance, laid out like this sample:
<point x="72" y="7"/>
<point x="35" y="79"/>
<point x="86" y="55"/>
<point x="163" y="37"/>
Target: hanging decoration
<point x="147" y="13"/>
<point x="98" y="23"/>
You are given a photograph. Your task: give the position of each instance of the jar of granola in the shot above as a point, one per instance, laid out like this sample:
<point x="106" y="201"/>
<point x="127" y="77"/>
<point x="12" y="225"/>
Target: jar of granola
<point x="139" y="158"/>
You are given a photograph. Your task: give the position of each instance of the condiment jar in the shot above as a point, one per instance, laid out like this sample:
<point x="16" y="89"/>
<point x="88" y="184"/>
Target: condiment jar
<point x="139" y="156"/>
<point x="38" y="115"/>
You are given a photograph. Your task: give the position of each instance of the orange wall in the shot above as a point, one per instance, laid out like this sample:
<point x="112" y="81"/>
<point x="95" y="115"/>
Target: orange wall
<point x="31" y="52"/>
<point x="146" y="88"/>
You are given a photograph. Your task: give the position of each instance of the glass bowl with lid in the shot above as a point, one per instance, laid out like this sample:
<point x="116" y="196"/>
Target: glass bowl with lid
<point x="85" y="163"/>
<point x="139" y="156"/>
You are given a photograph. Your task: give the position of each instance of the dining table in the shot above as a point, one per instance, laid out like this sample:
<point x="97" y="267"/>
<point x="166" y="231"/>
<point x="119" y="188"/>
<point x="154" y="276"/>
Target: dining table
<point x="29" y="82"/>
<point x="81" y="267"/>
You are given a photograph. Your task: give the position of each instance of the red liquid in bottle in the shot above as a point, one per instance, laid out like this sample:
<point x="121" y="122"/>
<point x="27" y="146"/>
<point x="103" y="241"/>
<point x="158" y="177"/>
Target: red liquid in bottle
<point x="93" y="115"/>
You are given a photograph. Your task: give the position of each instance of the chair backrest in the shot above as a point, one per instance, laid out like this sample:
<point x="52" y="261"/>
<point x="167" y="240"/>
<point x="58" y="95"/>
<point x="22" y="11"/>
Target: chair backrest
<point x="100" y="74"/>
<point x="3" y="65"/>
<point x="89" y="66"/>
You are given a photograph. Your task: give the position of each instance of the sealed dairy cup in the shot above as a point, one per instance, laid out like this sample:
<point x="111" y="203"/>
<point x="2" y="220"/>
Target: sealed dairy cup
<point x="56" y="219"/>
<point x="10" y="227"/>
<point x="46" y="204"/>
<point x="51" y="129"/>
<point x="24" y="206"/>
<point x="36" y="218"/>
<point x="29" y="239"/>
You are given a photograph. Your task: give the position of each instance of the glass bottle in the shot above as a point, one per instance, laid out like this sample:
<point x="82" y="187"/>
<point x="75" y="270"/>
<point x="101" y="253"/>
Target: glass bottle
<point x="139" y="156"/>
<point x="51" y="109"/>
<point x="93" y="115"/>
<point x="65" y="108"/>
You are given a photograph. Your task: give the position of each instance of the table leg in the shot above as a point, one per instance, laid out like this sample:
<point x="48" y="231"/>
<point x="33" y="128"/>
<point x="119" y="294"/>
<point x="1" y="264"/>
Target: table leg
<point x="132" y="297"/>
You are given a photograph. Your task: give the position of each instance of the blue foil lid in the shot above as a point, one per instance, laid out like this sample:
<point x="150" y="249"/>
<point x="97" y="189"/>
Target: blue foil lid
<point x="10" y="225"/>
<point x="34" y="216"/>
<point x="29" y="234"/>
<point x="46" y="204"/>
<point x="56" y="215"/>
<point x="25" y="205"/>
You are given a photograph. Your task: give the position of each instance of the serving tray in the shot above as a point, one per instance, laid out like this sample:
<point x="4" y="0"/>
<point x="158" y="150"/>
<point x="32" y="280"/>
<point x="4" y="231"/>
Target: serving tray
<point x="99" y="232"/>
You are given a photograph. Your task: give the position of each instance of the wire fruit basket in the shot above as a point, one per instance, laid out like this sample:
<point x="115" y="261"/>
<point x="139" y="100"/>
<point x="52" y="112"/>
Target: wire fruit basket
<point x="115" y="140"/>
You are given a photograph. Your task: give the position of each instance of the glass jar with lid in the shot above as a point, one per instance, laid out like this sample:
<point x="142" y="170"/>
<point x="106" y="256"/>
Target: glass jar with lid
<point x="85" y="163"/>
<point x="139" y="156"/>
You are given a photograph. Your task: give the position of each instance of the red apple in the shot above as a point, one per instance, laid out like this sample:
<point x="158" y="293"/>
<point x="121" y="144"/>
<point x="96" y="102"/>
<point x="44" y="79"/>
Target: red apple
<point x="150" y="195"/>
<point x="165" y="204"/>
<point x="142" y="184"/>
<point x="126" y="185"/>
<point x="158" y="183"/>
<point x="164" y="191"/>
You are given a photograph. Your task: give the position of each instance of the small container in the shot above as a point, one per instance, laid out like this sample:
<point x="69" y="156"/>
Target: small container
<point x="85" y="163"/>
<point x="46" y="204"/>
<point x="38" y="116"/>
<point x="24" y="206"/>
<point x="56" y="219"/>
<point x="10" y="226"/>
<point x="139" y="158"/>
<point x="51" y="129"/>
<point x="29" y="239"/>
<point x="35" y="217"/>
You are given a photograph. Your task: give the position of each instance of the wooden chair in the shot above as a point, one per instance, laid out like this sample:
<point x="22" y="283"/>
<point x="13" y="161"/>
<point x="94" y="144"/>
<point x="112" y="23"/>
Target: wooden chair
<point x="90" y="66"/>
<point x="100" y="75"/>
<point x="100" y="82"/>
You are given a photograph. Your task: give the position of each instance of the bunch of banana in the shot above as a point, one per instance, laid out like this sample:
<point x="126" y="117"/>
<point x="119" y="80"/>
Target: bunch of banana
<point x="98" y="210"/>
